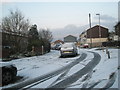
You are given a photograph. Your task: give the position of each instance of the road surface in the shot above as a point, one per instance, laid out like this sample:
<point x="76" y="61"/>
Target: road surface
<point x="62" y="72"/>
<point x="47" y="76"/>
<point x="71" y="79"/>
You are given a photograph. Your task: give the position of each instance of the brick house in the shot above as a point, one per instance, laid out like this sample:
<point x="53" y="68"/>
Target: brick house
<point x="93" y="36"/>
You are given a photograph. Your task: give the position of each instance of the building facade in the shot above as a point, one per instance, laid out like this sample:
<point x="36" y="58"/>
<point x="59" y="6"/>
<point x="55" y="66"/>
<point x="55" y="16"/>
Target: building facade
<point x="94" y="36"/>
<point x="83" y="38"/>
<point x="117" y="29"/>
<point x="70" y="38"/>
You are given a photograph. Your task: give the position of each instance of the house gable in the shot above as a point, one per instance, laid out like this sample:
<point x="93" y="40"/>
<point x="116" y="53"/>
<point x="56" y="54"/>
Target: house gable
<point x="70" y="38"/>
<point x="94" y="32"/>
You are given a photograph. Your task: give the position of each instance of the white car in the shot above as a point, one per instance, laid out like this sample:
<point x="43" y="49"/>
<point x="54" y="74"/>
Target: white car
<point x="68" y="49"/>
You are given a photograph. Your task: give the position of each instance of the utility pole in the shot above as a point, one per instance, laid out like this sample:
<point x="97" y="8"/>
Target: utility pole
<point x="99" y="29"/>
<point x="90" y="30"/>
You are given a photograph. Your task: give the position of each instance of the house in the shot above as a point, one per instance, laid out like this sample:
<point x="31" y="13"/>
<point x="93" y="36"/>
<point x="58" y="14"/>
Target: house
<point x="94" y="37"/>
<point x="114" y="37"/>
<point x="117" y="29"/>
<point x="82" y="38"/>
<point x="70" y="38"/>
<point x="56" y="44"/>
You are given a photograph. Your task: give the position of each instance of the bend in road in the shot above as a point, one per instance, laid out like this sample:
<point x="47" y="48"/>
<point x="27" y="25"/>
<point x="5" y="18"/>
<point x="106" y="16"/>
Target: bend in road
<point x="47" y="76"/>
<point x="71" y="79"/>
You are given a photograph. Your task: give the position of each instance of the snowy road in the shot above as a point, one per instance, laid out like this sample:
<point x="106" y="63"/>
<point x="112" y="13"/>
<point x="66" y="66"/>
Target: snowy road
<point x="71" y="79"/>
<point x="49" y="75"/>
<point x="62" y="72"/>
<point x="87" y="70"/>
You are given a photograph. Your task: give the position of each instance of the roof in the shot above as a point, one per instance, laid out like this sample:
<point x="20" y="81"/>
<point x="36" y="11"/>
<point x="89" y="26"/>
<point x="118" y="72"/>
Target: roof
<point x="97" y="26"/>
<point x="117" y="24"/>
<point x="70" y="36"/>
<point x="58" y="41"/>
<point x="82" y="33"/>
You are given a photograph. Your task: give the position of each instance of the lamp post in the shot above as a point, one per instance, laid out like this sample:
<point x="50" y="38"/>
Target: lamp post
<point x="99" y="28"/>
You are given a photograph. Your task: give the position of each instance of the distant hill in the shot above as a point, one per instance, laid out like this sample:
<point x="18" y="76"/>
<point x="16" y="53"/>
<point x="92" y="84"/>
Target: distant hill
<point x="72" y="29"/>
<point x="68" y="30"/>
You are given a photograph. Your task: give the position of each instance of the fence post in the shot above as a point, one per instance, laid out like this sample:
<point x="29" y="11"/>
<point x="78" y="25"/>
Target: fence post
<point x="42" y="49"/>
<point x="108" y="53"/>
<point x="106" y="50"/>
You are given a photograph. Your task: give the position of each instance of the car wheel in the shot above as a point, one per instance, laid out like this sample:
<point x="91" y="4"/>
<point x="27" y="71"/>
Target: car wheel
<point x="76" y="53"/>
<point x="61" y="56"/>
<point x="6" y="77"/>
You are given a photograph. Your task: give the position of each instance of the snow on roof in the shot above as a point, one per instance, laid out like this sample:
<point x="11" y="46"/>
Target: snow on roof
<point x="97" y="26"/>
<point x="70" y="36"/>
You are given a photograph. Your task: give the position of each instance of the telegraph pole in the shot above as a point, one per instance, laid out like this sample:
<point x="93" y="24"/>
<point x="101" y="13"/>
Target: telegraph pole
<point x="90" y="30"/>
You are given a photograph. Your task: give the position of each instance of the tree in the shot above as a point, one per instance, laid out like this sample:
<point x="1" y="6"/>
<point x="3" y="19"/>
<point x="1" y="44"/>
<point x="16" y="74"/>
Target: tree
<point x="15" y="22"/>
<point x="33" y="32"/>
<point x="33" y="37"/>
<point x="46" y="34"/>
<point x="46" y="37"/>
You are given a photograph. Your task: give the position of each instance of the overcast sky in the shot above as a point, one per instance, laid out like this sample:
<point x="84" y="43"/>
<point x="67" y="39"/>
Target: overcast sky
<point x="60" y="14"/>
<point x="54" y="15"/>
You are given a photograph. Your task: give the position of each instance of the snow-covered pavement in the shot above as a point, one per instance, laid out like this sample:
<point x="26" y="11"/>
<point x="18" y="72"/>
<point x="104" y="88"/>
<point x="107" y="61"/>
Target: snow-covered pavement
<point x="39" y="65"/>
<point x="32" y="67"/>
<point x="101" y="73"/>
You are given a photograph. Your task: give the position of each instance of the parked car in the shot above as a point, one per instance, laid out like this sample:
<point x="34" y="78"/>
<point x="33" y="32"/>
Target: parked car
<point x="9" y="72"/>
<point x="56" y="47"/>
<point x="68" y="49"/>
<point x="85" y="46"/>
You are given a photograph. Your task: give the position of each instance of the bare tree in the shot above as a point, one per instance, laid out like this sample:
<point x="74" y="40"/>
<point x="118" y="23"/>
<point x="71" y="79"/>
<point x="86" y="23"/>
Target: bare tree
<point x="46" y="34"/>
<point x="15" y="22"/>
<point x="46" y="37"/>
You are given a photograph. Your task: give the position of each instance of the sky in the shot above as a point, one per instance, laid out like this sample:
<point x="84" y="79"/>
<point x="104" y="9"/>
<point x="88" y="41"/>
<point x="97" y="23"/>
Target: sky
<point x="55" y="15"/>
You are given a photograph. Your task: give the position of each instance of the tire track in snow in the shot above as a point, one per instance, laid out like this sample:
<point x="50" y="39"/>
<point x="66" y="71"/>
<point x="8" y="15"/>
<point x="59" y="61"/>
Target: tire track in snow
<point x="47" y="76"/>
<point x="71" y="79"/>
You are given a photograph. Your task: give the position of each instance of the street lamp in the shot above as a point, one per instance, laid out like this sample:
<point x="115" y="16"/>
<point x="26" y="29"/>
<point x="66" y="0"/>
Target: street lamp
<point x="99" y="27"/>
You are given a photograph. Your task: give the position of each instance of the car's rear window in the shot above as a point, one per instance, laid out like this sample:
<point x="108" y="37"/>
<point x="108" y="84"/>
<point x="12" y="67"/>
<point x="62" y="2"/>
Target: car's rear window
<point x="67" y="45"/>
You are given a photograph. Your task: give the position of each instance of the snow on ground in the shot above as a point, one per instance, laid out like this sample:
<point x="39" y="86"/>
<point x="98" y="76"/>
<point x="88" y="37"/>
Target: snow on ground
<point x="46" y="83"/>
<point x="82" y="64"/>
<point x="106" y="67"/>
<point x="102" y="71"/>
<point x="39" y="65"/>
<point x="32" y="67"/>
